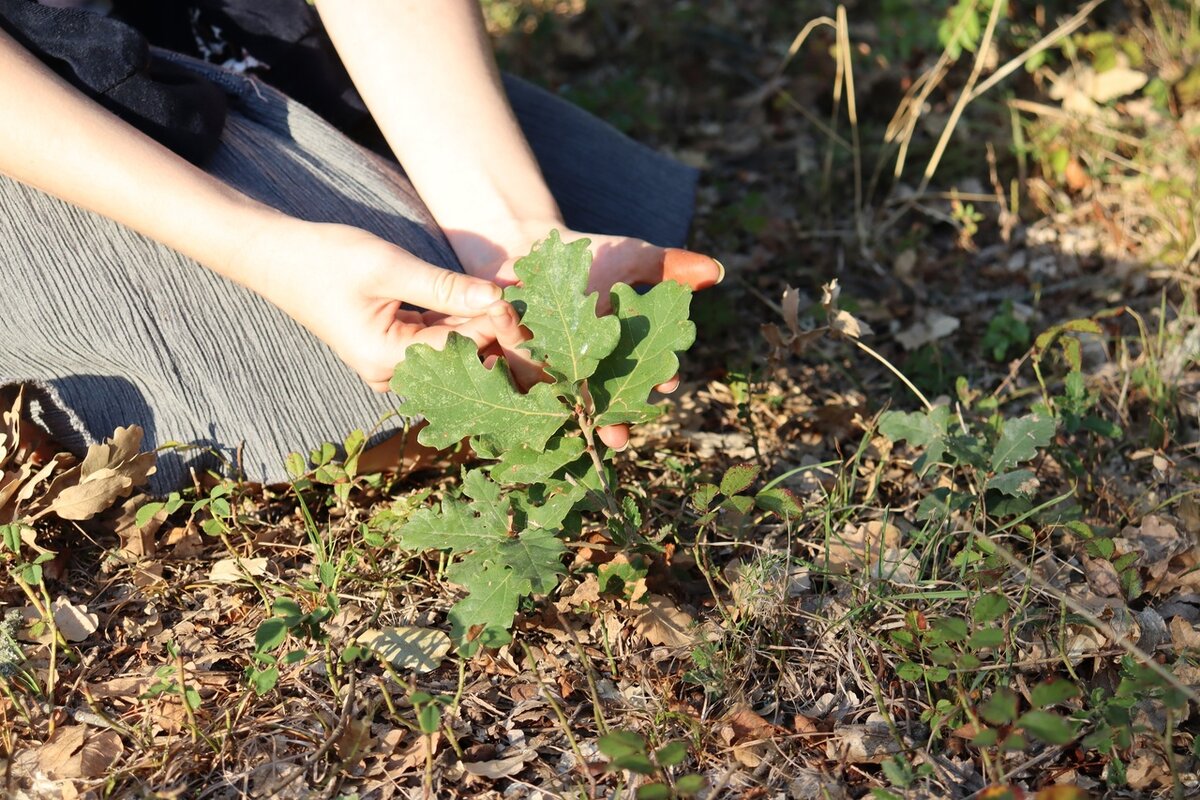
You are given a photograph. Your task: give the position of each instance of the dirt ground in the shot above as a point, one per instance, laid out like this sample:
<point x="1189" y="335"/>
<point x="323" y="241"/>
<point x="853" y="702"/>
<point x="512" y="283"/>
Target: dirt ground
<point x="987" y="429"/>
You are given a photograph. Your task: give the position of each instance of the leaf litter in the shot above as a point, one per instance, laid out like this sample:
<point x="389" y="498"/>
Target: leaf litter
<point x="776" y="650"/>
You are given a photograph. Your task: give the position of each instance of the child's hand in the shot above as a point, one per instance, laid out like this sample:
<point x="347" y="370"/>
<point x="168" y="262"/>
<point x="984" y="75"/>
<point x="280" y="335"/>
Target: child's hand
<point x="348" y="287"/>
<point x="615" y="259"/>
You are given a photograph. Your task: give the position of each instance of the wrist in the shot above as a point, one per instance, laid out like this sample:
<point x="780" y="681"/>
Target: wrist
<point x="250" y="252"/>
<point x="483" y="246"/>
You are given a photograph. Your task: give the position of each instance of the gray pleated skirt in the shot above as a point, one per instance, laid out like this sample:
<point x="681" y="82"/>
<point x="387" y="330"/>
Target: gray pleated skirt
<point x="115" y="329"/>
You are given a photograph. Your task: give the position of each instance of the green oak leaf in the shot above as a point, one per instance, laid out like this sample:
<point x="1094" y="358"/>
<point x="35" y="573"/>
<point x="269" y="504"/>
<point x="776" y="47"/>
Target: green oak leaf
<point x="921" y="429"/>
<point x="1020" y="440"/>
<point x="497" y="577"/>
<point x="1018" y="483"/>
<point x="558" y="311"/>
<point x="455" y="528"/>
<point x="654" y="328"/>
<point x="483" y="617"/>
<point x="461" y="527"/>
<point x="535" y="557"/>
<point x="550" y="508"/>
<point x="526" y="465"/>
<point x="459" y="397"/>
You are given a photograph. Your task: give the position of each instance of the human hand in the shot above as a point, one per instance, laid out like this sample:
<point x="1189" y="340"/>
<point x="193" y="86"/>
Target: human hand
<point x="348" y="286"/>
<point x="615" y="259"/>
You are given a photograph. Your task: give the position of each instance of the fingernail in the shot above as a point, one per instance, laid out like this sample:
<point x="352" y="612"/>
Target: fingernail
<point x="482" y="295"/>
<point x="720" y="266"/>
<point x="623" y="447"/>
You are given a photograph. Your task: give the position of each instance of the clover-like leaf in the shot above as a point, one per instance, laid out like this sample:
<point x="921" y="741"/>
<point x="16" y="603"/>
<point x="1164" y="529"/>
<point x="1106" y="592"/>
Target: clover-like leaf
<point x="654" y="328"/>
<point x="558" y="311"/>
<point x="460" y="397"/>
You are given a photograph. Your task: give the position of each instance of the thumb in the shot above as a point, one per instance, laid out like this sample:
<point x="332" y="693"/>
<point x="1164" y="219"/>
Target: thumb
<point x="420" y="284"/>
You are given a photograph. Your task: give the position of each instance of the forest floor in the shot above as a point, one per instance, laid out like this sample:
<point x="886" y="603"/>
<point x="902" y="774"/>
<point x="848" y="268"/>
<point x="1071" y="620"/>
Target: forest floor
<point x="991" y="588"/>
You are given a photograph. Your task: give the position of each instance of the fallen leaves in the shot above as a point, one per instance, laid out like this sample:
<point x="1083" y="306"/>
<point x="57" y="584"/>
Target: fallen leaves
<point x="75" y="751"/>
<point x="107" y="473"/>
<point x="1084" y="90"/>
<point x="34" y="484"/>
<point x="233" y="570"/>
<point x="408" y="648"/>
<point x="660" y="622"/>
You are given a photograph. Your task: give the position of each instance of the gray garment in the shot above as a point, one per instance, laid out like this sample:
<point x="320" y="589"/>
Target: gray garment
<point x="115" y="329"/>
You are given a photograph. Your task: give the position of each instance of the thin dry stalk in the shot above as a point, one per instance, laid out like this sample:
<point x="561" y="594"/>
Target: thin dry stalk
<point x="1045" y="43"/>
<point x="845" y="56"/>
<point x="1141" y="656"/>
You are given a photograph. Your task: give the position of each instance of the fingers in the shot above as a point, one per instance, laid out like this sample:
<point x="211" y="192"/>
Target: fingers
<point x="436" y="289"/>
<point x="668" y="386"/>
<point x="510" y="336"/>
<point x="691" y="269"/>
<point x="614" y="436"/>
<point x="636" y="262"/>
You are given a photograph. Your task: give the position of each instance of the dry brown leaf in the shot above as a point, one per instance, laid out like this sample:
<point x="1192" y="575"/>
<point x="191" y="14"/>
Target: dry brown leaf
<point x="1119" y="81"/>
<point x="125" y="686"/>
<point x="933" y="327"/>
<point x="587" y="593"/>
<point x="413" y="756"/>
<point x="107" y="473"/>
<point x="661" y="622"/>
<point x="354" y="742"/>
<point x="77" y="751"/>
<point x="871" y="743"/>
<point x="73" y="622"/>
<point x="872" y="543"/>
<point x="185" y="541"/>
<point x="1158" y="540"/>
<point x="1184" y="634"/>
<point x="408" y="648"/>
<point x="1083" y="90"/>
<point x="94" y="494"/>
<point x="747" y="725"/>
<point x="841" y="323"/>
<point x="232" y="570"/>
<point x="501" y="767"/>
<point x="1102" y="577"/>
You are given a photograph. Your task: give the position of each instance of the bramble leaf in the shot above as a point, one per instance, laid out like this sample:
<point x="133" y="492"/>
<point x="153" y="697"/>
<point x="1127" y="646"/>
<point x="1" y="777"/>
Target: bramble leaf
<point x="654" y="328"/>
<point x="558" y="311"/>
<point x="459" y="397"/>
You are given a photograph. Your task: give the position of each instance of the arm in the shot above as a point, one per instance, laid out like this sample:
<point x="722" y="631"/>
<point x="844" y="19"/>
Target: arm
<point x="426" y="71"/>
<point x="55" y="139"/>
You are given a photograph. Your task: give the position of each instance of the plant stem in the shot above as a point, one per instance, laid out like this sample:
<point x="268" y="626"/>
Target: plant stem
<point x="924" y="401"/>
<point x="589" y="436"/>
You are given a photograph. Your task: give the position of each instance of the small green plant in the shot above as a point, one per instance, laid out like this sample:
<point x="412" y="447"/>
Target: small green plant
<point x="631" y="752"/>
<point x="287" y="619"/>
<point x="1005" y="334"/>
<point x="985" y="465"/>
<point x="505" y="527"/>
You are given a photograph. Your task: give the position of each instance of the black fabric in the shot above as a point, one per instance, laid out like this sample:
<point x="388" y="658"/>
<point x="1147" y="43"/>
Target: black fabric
<point x="109" y="58"/>
<point x="285" y="36"/>
<point x="110" y="61"/>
